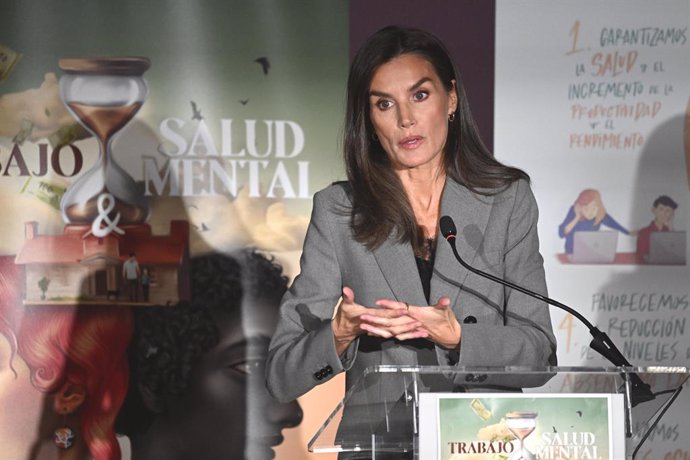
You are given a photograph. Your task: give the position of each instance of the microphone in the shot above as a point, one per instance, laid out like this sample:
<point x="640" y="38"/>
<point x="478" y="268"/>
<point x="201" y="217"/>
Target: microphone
<point x="601" y="343"/>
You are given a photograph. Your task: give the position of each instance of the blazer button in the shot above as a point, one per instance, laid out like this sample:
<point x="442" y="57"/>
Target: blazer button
<point x="469" y="378"/>
<point x="328" y="370"/>
<point x="318" y="375"/>
<point x="482" y="377"/>
<point x="469" y="320"/>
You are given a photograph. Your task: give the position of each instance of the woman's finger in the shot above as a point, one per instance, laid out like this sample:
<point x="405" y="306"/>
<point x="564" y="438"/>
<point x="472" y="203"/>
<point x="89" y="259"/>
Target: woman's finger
<point x="393" y="304"/>
<point x="372" y="330"/>
<point x="443" y="303"/>
<point x="386" y="321"/>
<point x="415" y="334"/>
<point x="348" y="295"/>
<point x="405" y="328"/>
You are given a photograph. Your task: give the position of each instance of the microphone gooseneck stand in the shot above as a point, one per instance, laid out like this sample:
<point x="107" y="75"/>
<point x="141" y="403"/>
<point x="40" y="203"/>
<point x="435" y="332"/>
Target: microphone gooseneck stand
<point x="601" y="343"/>
<point x="637" y="390"/>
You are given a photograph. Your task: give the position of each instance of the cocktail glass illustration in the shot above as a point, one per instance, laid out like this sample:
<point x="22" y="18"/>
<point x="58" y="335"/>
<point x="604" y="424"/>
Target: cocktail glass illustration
<point x="521" y="424"/>
<point x="104" y="94"/>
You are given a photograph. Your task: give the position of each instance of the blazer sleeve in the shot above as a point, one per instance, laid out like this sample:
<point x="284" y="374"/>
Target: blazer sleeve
<point x="527" y="337"/>
<point x="302" y="352"/>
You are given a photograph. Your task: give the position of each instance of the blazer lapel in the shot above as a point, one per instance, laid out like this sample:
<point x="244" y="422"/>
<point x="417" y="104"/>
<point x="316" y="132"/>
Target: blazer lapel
<point x="398" y="266"/>
<point x="471" y="215"/>
<point x="470" y="212"/>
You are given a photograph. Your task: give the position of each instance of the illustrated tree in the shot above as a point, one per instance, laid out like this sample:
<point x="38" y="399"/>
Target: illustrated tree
<point x="43" y="284"/>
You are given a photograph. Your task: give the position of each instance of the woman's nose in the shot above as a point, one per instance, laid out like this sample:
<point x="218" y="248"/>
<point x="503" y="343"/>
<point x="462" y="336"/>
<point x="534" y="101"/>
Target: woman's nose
<point x="405" y="116"/>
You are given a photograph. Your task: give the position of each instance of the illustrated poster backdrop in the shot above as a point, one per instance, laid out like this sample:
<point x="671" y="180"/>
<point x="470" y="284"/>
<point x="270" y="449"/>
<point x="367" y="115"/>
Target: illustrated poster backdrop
<point x="236" y="128"/>
<point x="592" y="100"/>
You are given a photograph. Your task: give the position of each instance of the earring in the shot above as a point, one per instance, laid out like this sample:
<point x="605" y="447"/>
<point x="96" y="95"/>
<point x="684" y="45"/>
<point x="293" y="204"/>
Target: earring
<point x="451" y="117"/>
<point x="64" y="435"/>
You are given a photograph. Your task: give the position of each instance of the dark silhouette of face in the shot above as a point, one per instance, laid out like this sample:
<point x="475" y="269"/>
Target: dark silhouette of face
<point x="200" y="366"/>
<point x="226" y="406"/>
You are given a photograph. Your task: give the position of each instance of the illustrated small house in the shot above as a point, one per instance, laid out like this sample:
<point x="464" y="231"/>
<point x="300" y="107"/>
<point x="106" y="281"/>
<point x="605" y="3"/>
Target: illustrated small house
<point x="78" y="267"/>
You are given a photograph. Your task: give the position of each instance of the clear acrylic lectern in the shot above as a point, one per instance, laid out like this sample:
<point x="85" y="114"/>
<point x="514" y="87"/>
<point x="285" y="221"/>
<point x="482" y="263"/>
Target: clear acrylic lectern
<point x="379" y="415"/>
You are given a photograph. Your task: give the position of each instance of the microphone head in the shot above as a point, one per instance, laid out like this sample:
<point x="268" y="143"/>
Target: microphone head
<point x="448" y="229"/>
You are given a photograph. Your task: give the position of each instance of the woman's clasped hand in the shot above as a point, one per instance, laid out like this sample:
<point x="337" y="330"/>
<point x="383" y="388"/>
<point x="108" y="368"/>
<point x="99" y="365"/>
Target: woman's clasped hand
<point x="395" y="320"/>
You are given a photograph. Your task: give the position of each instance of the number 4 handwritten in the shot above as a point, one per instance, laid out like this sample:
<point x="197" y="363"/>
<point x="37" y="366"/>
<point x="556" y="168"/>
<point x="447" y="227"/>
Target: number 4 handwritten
<point x="567" y="325"/>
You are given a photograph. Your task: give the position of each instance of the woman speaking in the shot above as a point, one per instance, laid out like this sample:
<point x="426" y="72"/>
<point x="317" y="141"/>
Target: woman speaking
<point x="412" y="154"/>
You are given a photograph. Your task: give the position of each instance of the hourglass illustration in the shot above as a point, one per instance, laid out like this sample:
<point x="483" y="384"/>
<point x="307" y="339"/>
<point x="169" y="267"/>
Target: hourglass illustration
<point x="104" y="94"/>
<point x="521" y="424"/>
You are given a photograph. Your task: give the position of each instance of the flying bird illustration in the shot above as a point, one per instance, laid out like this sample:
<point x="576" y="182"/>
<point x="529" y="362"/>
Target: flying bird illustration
<point x="265" y="64"/>
<point x="201" y="228"/>
<point x="196" y="112"/>
<point x="244" y="101"/>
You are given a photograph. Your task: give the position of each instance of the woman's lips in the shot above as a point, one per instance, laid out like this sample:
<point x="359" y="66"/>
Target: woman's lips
<point x="410" y="142"/>
<point x="276" y="440"/>
<point x="268" y="440"/>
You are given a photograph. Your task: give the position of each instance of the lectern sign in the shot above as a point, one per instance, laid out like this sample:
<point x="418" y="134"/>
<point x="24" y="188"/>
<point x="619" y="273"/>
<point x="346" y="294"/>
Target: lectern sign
<point x="484" y="426"/>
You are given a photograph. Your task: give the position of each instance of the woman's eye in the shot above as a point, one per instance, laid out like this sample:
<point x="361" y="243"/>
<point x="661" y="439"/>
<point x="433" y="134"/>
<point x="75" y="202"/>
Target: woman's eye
<point x="384" y="104"/>
<point x="249" y="367"/>
<point x="420" y="95"/>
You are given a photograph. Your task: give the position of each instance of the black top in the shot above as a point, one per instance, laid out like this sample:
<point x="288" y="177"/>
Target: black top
<point x="425" y="266"/>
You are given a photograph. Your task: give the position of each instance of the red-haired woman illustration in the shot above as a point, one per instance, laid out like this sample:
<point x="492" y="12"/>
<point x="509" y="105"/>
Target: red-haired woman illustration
<point x="586" y="214"/>
<point x="76" y="357"/>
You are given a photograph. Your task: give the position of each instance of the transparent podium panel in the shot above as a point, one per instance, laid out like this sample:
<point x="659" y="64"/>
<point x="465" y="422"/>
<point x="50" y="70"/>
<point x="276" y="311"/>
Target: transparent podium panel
<point x="379" y="416"/>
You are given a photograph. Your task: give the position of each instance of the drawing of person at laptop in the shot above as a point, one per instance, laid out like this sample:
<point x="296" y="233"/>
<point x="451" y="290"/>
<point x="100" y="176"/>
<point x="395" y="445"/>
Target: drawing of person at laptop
<point x="663" y="210"/>
<point x="585" y="215"/>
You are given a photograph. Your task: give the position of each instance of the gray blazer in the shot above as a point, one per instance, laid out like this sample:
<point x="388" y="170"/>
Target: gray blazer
<point x="497" y="234"/>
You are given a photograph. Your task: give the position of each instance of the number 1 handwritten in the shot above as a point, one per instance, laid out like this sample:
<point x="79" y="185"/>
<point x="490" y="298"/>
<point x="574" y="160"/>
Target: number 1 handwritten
<point x="574" y="32"/>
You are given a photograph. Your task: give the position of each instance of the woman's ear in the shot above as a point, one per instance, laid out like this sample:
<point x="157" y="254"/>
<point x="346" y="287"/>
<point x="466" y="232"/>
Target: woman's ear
<point x="453" y="97"/>
<point x="69" y="398"/>
<point x="150" y="399"/>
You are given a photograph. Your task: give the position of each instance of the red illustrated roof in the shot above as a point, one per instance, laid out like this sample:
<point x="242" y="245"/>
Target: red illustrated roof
<point x="77" y="243"/>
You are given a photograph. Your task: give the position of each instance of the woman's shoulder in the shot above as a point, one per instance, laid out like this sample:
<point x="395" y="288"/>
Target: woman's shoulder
<point x="519" y="188"/>
<point x="339" y="192"/>
<point x="333" y="204"/>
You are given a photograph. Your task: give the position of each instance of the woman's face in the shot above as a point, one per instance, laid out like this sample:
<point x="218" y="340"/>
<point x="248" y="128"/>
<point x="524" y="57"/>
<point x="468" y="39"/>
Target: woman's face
<point x="590" y="210"/>
<point x="22" y="406"/>
<point x="409" y="108"/>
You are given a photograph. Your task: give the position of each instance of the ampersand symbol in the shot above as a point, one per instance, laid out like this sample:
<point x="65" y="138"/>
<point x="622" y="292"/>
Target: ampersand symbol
<point x="105" y="204"/>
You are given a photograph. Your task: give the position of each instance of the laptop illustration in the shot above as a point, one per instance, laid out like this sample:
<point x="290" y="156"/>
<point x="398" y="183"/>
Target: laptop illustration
<point x="594" y="247"/>
<point x="667" y="248"/>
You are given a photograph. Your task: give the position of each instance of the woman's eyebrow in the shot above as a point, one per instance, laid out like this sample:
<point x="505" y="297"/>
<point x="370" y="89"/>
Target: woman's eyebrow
<point x="419" y="83"/>
<point x="254" y="341"/>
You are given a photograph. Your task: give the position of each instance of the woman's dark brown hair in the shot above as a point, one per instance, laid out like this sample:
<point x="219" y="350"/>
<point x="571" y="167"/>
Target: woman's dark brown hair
<point x="380" y="206"/>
